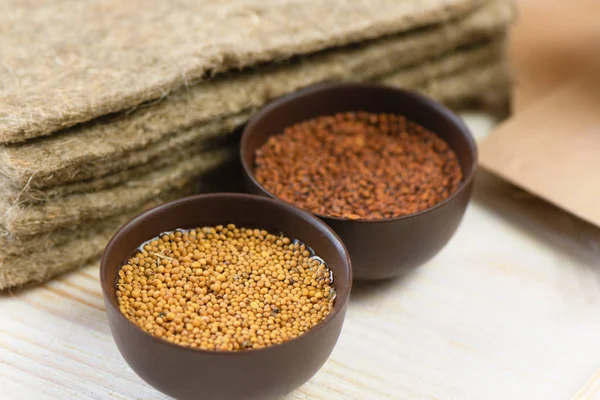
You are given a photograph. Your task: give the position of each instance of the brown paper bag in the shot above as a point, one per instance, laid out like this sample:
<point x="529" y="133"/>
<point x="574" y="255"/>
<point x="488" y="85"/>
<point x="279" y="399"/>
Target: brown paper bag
<point x="552" y="147"/>
<point x="552" y="42"/>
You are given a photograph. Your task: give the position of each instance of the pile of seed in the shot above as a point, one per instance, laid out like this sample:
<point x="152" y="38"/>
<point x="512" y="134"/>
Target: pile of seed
<point x="225" y="288"/>
<point x="358" y="166"/>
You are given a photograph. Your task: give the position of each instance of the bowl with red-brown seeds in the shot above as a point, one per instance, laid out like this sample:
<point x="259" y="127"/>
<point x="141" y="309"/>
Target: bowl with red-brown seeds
<point x="391" y="171"/>
<point x="226" y="295"/>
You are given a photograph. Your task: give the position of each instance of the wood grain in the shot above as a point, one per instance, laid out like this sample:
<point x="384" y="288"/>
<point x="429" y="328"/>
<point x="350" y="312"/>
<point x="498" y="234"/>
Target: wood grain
<point x="509" y="310"/>
<point x="591" y="390"/>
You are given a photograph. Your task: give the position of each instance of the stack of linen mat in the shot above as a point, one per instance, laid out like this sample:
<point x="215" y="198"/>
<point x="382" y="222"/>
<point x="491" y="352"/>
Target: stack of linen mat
<point x="110" y="107"/>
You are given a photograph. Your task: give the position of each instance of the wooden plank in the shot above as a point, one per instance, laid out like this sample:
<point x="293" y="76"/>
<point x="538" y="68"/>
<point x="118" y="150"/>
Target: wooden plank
<point x="591" y="390"/>
<point x="508" y="310"/>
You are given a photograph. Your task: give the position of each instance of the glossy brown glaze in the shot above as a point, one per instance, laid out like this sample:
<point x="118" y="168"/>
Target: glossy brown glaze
<point x="384" y="248"/>
<point x="263" y="374"/>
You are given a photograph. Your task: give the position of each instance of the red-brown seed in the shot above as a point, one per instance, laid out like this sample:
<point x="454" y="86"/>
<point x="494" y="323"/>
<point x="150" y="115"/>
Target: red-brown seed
<point x="359" y="166"/>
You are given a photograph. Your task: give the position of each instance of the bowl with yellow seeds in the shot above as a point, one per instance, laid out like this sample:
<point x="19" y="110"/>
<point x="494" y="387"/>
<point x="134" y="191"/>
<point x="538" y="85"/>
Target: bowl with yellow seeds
<point x="226" y="296"/>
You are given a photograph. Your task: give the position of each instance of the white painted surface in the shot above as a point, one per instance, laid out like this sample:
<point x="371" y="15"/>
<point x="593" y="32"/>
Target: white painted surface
<point x="510" y="309"/>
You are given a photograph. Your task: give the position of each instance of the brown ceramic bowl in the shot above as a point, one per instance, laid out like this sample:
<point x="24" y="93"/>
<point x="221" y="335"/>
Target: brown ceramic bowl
<point x="187" y="373"/>
<point x="383" y="248"/>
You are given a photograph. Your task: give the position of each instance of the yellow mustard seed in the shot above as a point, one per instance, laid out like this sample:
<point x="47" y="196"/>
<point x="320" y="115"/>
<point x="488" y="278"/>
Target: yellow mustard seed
<point x="225" y="288"/>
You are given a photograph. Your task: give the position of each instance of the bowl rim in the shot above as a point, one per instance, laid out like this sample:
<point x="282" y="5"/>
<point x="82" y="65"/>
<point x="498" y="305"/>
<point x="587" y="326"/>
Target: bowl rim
<point x="333" y="236"/>
<point x="433" y="105"/>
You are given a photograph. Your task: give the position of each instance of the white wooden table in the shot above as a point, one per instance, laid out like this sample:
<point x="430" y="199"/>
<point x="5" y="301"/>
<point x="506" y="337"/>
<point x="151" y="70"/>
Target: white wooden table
<point x="509" y="310"/>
